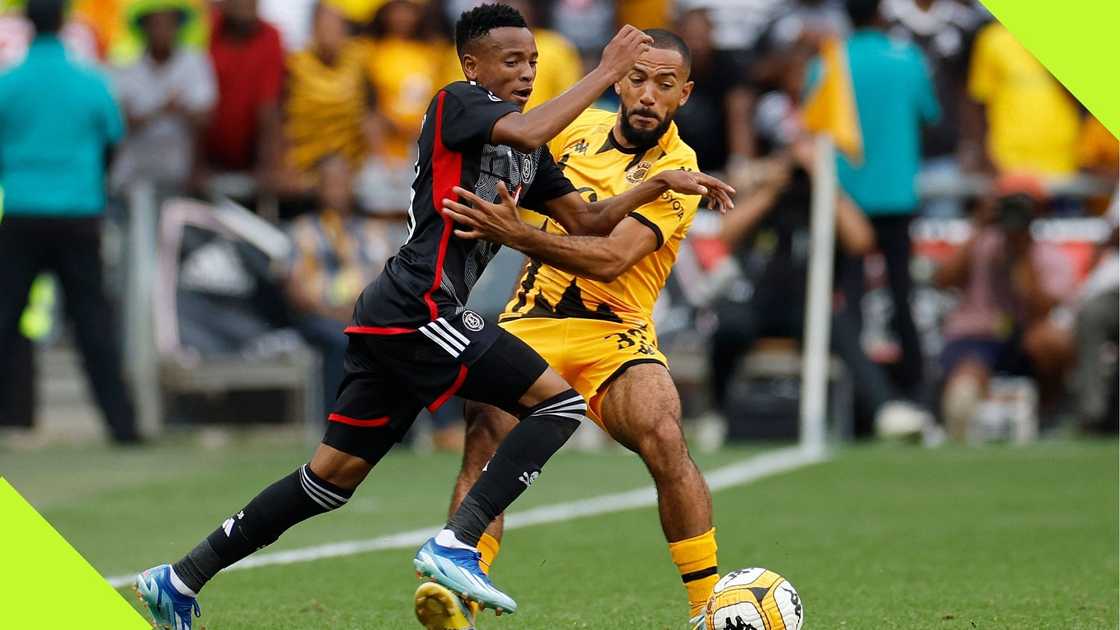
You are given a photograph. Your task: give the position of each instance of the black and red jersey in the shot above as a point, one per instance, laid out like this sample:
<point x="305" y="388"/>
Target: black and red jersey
<point x="433" y="273"/>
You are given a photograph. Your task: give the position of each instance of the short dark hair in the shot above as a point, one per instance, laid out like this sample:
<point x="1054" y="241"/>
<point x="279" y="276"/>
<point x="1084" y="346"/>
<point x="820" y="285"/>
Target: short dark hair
<point x="476" y="23"/>
<point x="668" y="40"/>
<point x="46" y="16"/>
<point x="863" y="12"/>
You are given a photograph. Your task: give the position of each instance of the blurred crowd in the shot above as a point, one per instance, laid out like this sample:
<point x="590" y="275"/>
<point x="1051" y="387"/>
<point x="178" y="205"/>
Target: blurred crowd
<point x="306" y="111"/>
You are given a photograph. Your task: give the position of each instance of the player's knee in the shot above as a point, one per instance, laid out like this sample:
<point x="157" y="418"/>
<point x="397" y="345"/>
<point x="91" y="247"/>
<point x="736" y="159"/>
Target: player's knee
<point x="663" y="447"/>
<point x="338" y="468"/>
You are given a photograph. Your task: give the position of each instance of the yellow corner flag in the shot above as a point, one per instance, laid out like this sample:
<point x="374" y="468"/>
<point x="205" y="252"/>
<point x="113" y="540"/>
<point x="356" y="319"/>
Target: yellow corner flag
<point x="45" y="583"/>
<point x="831" y="109"/>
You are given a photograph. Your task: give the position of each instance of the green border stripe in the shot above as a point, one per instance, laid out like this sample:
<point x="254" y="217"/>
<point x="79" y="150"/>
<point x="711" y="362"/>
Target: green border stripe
<point x="45" y="583"/>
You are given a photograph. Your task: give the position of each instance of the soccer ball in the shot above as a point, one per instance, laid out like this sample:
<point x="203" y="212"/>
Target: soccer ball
<point x="754" y="599"/>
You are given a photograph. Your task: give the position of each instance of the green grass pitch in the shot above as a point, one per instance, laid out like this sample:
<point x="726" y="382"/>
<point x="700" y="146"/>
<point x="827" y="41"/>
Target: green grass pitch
<point x="876" y="538"/>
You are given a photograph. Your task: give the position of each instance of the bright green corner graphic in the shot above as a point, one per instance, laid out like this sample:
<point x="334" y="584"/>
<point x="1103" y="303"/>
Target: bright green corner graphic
<point x="1077" y="42"/>
<point x="45" y="583"/>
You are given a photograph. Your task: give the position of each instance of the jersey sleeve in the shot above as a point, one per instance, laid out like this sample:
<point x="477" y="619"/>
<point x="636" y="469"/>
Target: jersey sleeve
<point x="550" y="183"/>
<point x="672" y="209"/>
<point x="469" y="114"/>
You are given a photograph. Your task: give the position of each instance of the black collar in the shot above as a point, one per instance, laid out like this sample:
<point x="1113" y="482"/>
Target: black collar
<point x="613" y="143"/>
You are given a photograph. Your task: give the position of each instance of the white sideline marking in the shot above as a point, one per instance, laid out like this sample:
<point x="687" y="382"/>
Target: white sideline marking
<point x="746" y="471"/>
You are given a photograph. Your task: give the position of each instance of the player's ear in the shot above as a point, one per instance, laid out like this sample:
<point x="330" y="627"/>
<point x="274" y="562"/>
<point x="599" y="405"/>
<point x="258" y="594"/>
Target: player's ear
<point x="686" y="91"/>
<point x="618" y="88"/>
<point x="469" y="64"/>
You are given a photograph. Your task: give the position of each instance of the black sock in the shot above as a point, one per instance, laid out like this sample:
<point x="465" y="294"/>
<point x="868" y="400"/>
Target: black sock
<point x="295" y="498"/>
<point x="517" y="463"/>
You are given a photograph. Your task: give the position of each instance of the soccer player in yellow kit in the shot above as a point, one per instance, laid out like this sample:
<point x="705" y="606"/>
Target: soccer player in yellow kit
<point x="590" y="316"/>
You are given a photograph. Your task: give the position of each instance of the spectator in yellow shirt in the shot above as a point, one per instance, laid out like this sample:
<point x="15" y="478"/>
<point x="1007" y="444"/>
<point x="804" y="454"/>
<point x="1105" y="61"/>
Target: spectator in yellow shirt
<point x="403" y="67"/>
<point x="329" y="107"/>
<point x="1032" y="121"/>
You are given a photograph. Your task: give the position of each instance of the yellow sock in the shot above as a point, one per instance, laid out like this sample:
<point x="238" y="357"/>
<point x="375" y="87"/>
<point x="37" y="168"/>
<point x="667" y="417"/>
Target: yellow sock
<point x="696" y="560"/>
<point x="488" y="546"/>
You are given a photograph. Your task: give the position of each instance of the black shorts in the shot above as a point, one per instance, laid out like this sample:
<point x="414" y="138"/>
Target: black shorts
<point x="390" y="378"/>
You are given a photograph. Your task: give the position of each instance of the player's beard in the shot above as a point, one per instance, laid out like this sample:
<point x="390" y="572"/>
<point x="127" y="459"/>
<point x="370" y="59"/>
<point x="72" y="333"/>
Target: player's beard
<point x="643" y="137"/>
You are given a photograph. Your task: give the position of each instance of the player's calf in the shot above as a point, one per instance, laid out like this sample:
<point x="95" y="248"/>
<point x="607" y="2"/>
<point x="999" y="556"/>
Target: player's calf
<point x="294" y="498"/>
<point x="642" y="411"/>
<point x="517" y="463"/>
<point x="452" y="558"/>
<point x="685" y="510"/>
<point x="487" y="426"/>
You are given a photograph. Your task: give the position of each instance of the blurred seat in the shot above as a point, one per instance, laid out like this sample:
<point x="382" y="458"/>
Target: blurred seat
<point x="218" y="316"/>
<point x="765" y="396"/>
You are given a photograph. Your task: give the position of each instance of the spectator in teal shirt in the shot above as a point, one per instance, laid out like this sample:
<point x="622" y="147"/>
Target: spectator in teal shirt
<point x="57" y="118"/>
<point x="895" y="97"/>
<point x="57" y="122"/>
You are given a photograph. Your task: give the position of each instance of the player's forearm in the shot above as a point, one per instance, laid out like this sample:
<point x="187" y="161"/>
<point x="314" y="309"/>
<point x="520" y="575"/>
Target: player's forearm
<point x="526" y="132"/>
<point x="598" y="218"/>
<point x="592" y="257"/>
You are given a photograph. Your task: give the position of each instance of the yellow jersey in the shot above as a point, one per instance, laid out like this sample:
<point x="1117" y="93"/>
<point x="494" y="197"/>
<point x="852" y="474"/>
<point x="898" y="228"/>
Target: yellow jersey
<point x="326" y="106"/>
<point x="403" y="73"/>
<point x="1033" y="123"/>
<point x="600" y="168"/>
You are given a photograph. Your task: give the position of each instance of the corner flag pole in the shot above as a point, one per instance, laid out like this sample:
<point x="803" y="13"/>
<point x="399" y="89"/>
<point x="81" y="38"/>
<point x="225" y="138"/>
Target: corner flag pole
<point x="818" y="307"/>
<point x="831" y="112"/>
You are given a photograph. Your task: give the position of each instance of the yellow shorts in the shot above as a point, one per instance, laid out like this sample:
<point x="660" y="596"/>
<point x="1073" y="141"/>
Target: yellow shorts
<point x="588" y="353"/>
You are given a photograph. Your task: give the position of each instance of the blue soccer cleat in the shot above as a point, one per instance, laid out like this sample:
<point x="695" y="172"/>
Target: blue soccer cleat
<point x="170" y="609"/>
<point x="458" y="570"/>
<point x="699" y="622"/>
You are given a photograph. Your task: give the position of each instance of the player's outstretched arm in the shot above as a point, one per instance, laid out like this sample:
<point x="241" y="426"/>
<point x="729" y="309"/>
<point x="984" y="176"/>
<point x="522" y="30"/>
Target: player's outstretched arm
<point x="526" y="132"/>
<point x="599" y="218"/>
<point x="601" y="258"/>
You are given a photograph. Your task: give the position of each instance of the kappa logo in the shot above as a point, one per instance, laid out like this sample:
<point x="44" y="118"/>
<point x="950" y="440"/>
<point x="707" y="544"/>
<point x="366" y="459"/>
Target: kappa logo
<point x="528" y="478"/>
<point x="637" y="174"/>
<point x="473" y="321"/>
<point x="739" y="624"/>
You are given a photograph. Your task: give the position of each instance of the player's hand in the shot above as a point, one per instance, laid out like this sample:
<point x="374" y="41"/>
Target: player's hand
<point x="498" y="222"/>
<point x="622" y="51"/>
<point x="721" y="196"/>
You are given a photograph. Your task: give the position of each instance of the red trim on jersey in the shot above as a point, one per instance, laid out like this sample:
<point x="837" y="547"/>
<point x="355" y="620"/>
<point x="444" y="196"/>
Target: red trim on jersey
<point x="377" y="330"/>
<point x="445" y="396"/>
<point x="372" y="422"/>
<point x="447" y="170"/>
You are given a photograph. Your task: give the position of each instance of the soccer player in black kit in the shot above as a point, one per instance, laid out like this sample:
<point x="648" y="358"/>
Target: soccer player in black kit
<point x="413" y="343"/>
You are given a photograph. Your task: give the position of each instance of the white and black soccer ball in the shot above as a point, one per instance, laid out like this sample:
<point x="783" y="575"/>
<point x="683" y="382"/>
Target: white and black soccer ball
<point x="754" y="599"/>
